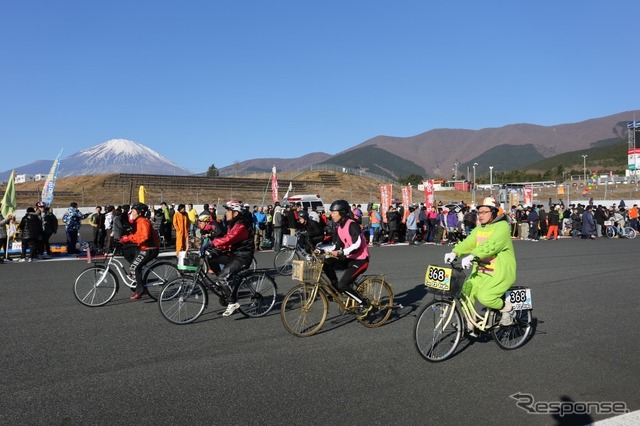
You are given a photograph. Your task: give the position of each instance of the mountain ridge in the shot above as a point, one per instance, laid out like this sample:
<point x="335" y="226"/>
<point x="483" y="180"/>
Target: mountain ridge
<point x="435" y="151"/>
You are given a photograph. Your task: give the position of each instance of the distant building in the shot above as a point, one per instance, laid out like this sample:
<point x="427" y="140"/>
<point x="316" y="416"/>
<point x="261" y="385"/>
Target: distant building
<point x="23" y="178"/>
<point x="39" y="177"/>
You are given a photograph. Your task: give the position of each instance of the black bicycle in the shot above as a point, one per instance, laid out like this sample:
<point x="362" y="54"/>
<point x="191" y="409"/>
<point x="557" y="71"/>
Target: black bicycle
<point x="184" y="299"/>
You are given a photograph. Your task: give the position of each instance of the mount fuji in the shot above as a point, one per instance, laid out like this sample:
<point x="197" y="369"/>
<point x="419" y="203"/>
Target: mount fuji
<point x="112" y="156"/>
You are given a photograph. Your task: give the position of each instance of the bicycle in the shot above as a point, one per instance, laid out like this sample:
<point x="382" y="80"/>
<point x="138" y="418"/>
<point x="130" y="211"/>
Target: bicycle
<point x="440" y="325"/>
<point x="98" y="284"/>
<point x="306" y="306"/>
<point x="184" y="299"/>
<point x="295" y="247"/>
<point x="612" y="231"/>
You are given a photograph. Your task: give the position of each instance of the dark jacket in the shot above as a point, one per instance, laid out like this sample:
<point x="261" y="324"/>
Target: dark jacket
<point x="50" y="223"/>
<point x="31" y="226"/>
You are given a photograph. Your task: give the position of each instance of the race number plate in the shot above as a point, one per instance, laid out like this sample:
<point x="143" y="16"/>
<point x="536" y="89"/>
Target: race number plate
<point x="438" y="277"/>
<point x="519" y="298"/>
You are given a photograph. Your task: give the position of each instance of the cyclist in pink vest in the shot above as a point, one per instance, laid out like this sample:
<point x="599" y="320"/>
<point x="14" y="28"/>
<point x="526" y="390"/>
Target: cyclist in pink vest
<point x="351" y="254"/>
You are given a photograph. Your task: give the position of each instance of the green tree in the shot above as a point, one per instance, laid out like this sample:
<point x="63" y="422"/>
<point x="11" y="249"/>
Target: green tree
<point x="213" y="171"/>
<point x="413" y="179"/>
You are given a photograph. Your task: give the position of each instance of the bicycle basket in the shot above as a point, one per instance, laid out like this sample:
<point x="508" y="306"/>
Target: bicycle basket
<point x="289" y="241"/>
<point x="307" y="271"/>
<point x="189" y="261"/>
<point x="445" y="281"/>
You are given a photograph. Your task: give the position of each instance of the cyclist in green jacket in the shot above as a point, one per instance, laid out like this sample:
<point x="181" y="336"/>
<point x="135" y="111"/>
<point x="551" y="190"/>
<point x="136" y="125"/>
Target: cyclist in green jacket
<point x="491" y="243"/>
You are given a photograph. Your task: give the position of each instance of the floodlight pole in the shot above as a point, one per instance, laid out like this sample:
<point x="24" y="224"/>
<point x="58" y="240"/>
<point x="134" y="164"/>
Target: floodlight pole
<point x="491" y="180"/>
<point x="473" y="194"/>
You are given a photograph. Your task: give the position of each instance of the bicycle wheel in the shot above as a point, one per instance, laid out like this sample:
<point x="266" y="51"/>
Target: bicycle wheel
<point x="380" y="295"/>
<point x="182" y="301"/>
<point x="157" y="276"/>
<point x="630" y="233"/>
<point x="515" y="335"/>
<point x="438" y="330"/>
<point x="256" y="295"/>
<point x="283" y="261"/>
<point x="611" y="232"/>
<point x="304" y="310"/>
<point x="95" y="286"/>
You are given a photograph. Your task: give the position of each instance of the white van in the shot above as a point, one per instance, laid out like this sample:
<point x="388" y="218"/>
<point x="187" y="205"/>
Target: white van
<point x="309" y="202"/>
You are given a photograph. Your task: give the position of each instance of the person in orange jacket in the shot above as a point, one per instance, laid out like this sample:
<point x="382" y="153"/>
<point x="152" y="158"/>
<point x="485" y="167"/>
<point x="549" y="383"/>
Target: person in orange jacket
<point x="181" y="225"/>
<point x="140" y="247"/>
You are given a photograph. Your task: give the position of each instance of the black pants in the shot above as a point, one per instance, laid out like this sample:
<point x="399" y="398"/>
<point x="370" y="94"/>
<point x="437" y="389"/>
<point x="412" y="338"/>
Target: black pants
<point x="235" y="265"/>
<point x="32" y="243"/>
<point x="138" y="259"/>
<point x="353" y="267"/>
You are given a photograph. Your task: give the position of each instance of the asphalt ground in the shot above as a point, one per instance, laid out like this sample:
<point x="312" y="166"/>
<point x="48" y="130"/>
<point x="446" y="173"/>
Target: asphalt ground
<point x="64" y="363"/>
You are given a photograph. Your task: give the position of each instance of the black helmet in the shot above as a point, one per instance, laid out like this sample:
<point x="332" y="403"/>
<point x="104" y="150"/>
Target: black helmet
<point x="303" y="214"/>
<point x="340" y="206"/>
<point x="141" y="208"/>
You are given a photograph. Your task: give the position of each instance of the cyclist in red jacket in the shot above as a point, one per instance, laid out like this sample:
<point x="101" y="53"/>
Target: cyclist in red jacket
<point x="141" y="247"/>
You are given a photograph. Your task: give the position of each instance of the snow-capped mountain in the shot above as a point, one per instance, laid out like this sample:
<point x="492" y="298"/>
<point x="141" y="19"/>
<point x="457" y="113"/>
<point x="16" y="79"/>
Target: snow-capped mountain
<point x="119" y="156"/>
<point x="112" y="156"/>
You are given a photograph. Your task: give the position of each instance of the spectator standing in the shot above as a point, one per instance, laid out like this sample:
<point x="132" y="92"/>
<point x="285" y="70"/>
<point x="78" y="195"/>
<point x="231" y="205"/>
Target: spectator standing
<point x="392" y="223"/>
<point x="633" y="217"/>
<point x="278" y="222"/>
<point x="72" y="220"/>
<point x="96" y="220"/>
<point x="292" y="218"/>
<point x="260" y="225"/>
<point x="554" y="223"/>
<point x="269" y="231"/>
<point x="181" y="225"/>
<point x="533" y="219"/>
<point x="4" y="222"/>
<point x="49" y="227"/>
<point x="166" y="231"/>
<point x="412" y="226"/>
<point x="375" y="221"/>
<point x="117" y="227"/>
<point x="192" y="214"/>
<point x="588" y="223"/>
<point x="31" y="231"/>
<point x="600" y="215"/>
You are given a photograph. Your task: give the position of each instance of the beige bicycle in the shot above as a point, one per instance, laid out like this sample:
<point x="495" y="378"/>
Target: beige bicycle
<point x="306" y="306"/>
<point x="442" y="322"/>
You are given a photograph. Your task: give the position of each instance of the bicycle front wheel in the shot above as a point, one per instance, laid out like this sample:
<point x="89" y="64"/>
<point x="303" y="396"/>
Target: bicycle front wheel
<point x="283" y="261"/>
<point x="304" y="310"/>
<point x="256" y="295"/>
<point x="380" y="295"/>
<point x="438" y="330"/>
<point x="630" y="233"/>
<point x="157" y="276"/>
<point x="610" y="233"/>
<point x="515" y="335"/>
<point x="95" y="286"/>
<point x="182" y="301"/>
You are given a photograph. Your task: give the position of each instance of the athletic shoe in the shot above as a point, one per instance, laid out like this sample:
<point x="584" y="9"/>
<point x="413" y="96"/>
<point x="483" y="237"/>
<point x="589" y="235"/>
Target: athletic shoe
<point x="231" y="308"/>
<point x="136" y="296"/>
<point x="22" y="259"/>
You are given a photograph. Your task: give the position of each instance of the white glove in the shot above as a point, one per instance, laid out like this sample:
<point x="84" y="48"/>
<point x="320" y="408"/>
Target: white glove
<point x="467" y="262"/>
<point x="449" y="257"/>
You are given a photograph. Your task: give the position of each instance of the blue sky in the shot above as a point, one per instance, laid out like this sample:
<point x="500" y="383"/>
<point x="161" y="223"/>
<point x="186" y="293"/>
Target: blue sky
<point x="214" y="82"/>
